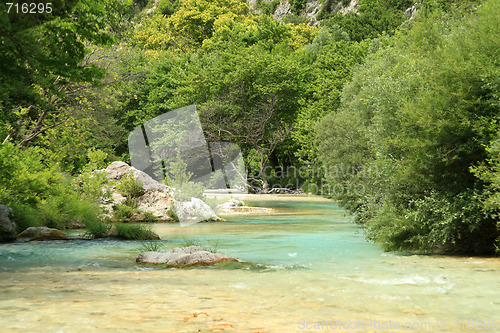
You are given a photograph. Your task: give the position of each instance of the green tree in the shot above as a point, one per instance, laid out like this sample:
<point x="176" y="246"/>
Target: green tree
<point x="189" y="26"/>
<point x="373" y="17"/>
<point x="331" y="58"/>
<point x="55" y="58"/>
<point x="420" y="112"/>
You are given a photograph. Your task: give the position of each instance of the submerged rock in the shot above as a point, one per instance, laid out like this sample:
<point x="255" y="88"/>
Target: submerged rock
<point x="231" y="204"/>
<point x="7" y="226"/>
<point x="222" y="324"/>
<point x="234" y="207"/>
<point x="184" y="257"/>
<point x="42" y="234"/>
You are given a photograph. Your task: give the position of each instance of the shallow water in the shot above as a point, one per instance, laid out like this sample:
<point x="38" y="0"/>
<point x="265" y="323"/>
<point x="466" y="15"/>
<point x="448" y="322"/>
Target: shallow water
<point x="309" y="269"/>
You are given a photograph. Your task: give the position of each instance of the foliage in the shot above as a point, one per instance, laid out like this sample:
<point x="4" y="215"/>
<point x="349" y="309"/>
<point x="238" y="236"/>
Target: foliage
<point x="212" y="247"/>
<point x="122" y="212"/>
<point x="408" y="141"/>
<point x="153" y="246"/>
<point x="180" y="180"/>
<point x="173" y="215"/>
<point x="373" y="18"/>
<point x="419" y="113"/>
<point x="96" y="228"/>
<point x="168" y="7"/>
<point x="268" y="7"/>
<point x="40" y="194"/>
<point x="333" y="57"/>
<point x="50" y="59"/>
<point x="298" y="5"/>
<point x="90" y="183"/>
<point x="189" y="26"/>
<point x="130" y="187"/>
<point x="134" y="231"/>
<point x="148" y="217"/>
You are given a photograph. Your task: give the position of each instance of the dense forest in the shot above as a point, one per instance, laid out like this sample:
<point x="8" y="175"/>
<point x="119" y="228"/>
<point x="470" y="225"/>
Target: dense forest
<point x="392" y="112"/>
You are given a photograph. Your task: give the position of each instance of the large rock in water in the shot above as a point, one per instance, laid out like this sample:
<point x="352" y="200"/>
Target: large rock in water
<point x="7" y="226"/>
<point x="194" y="211"/>
<point x="184" y="257"/>
<point x="156" y="200"/>
<point x="42" y="234"/>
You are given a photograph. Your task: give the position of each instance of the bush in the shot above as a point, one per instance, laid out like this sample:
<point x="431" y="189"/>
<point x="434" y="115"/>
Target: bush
<point x="134" y="232"/>
<point x="168" y="7"/>
<point x="91" y="185"/>
<point x="96" y="228"/>
<point x="24" y="216"/>
<point x="38" y="192"/>
<point x="148" y="217"/>
<point x="122" y="212"/>
<point x="130" y="187"/>
<point x="24" y="178"/>
<point x="153" y="246"/>
<point x="212" y="247"/>
<point x="420" y="112"/>
<point x="173" y="215"/>
<point x="179" y="179"/>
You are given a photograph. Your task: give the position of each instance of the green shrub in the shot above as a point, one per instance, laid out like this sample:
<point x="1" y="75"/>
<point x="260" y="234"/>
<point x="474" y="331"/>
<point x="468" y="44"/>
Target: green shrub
<point x="211" y="247"/>
<point x="91" y="185"/>
<point x="38" y="192"/>
<point x="122" y="212"/>
<point x="179" y="178"/>
<point x="423" y="110"/>
<point x="173" y="215"/>
<point x="148" y="217"/>
<point x="168" y="7"/>
<point x="152" y="245"/>
<point x="96" y="228"/>
<point x="268" y="7"/>
<point x="297" y="6"/>
<point x="130" y="187"/>
<point x="24" y="216"/>
<point x="24" y="179"/>
<point x="97" y="159"/>
<point x="134" y="232"/>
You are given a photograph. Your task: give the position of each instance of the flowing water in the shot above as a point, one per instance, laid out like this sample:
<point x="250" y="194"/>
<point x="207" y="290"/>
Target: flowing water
<point x="309" y="269"/>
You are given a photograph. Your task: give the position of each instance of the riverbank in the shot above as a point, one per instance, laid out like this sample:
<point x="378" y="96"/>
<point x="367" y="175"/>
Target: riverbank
<point x="310" y="264"/>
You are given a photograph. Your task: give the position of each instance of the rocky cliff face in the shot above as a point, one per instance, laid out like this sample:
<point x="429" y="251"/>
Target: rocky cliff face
<point x="311" y="10"/>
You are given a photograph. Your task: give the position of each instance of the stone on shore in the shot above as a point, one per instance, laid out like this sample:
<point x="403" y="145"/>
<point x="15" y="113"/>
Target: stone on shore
<point x="116" y="170"/>
<point x="184" y="257"/>
<point x="7" y="226"/>
<point x="195" y="211"/>
<point x="43" y="234"/>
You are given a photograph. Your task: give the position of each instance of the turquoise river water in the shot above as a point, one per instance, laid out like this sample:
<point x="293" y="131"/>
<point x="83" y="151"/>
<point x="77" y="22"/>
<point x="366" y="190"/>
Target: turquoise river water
<point x="309" y="269"/>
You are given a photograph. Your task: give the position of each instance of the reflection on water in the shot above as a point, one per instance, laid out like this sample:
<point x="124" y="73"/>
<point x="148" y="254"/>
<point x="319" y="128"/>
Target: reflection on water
<point x="306" y="265"/>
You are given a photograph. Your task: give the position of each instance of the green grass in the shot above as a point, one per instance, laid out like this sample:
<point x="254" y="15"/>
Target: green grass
<point x="134" y="232"/>
<point x="152" y="245"/>
<point x="212" y="247"/>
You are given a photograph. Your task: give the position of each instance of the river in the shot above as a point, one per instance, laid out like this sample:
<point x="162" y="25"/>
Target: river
<point x="309" y="269"/>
